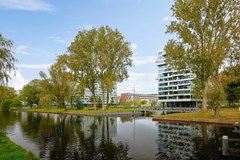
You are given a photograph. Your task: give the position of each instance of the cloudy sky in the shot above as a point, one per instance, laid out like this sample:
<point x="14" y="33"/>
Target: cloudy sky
<point x="43" y="29"/>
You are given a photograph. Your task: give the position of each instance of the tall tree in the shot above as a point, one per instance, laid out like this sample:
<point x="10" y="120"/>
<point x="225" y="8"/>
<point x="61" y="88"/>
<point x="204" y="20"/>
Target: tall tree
<point x="6" y="59"/>
<point x="208" y="34"/>
<point x="60" y="81"/>
<point x="46" y="97"/>
<point x="114" y="57"/>
<point x="83" y="62"/>
<point x="99" y="56"/>
<point x="29" y="93"/>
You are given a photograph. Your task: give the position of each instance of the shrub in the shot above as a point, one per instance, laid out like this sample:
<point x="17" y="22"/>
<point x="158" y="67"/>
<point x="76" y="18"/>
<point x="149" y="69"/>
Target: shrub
<point x="16" y="103"/>
<point x="6" y="105"/>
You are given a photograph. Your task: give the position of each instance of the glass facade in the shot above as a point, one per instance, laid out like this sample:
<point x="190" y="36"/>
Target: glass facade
<point x="174" y="88"/>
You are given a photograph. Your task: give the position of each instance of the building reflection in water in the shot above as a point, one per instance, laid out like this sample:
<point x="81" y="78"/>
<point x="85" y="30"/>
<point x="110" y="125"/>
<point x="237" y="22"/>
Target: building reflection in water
<point x="192" y="141"/>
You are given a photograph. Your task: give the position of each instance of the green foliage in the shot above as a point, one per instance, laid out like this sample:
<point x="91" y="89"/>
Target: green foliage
<point x="143" y="102"/>
<point x="207" y="34"/>
<point x="216" y="94"/>
<point x="46" y="98"/>
<point x="16" y="102"/>
<point x="153" y="102"/>
<point x="8" y="97"/>
<point x="232" y="88"/>
<point x="6" y="93"/>
<point x="135" y="103"/>
<point x="59" y="87"/>
<point x="6" y="105"/>
<point x="6" y="59"/>
<point x="30" y="92"/>
<point x="99" y="56"/>
<point x="79" y="104"/>
<point x="233" y="92"/>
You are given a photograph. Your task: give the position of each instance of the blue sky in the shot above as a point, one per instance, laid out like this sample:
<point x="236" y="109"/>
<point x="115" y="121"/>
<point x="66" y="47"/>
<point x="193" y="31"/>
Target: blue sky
<point x="43" y="29"/>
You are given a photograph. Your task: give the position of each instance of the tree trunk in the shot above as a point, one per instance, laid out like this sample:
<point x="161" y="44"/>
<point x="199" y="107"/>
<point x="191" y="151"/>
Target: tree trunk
<point x="94" y="102"/>
<point x="204" y="98"/>
<point x="103" y="99"/>
<point x="107" y="100"/>
<point x="217" y="112"/>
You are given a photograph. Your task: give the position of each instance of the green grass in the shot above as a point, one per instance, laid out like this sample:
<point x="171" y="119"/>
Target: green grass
<point x="226" y="114"/>
<point x="83" y="110"/>
<point x="12" y="151"/>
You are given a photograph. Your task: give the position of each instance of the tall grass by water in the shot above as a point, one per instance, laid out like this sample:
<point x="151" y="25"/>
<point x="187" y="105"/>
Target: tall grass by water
<point x="11" y="151"/>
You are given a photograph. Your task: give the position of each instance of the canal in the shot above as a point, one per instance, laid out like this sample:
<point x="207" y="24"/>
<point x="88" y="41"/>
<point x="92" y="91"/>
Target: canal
<point x="53" y="136"/>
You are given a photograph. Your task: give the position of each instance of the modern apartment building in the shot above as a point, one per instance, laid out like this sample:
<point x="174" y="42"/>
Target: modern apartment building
<point x="174" y="87"/>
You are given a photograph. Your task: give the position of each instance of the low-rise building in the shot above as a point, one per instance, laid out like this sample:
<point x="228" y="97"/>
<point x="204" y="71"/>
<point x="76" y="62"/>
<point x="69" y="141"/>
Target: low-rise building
<point x="130" y="97"/>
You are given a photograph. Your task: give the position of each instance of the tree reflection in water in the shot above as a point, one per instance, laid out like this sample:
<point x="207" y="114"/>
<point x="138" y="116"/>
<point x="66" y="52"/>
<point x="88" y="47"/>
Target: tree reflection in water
<point x="52" y="136"/>
<point x="74" y="137"/>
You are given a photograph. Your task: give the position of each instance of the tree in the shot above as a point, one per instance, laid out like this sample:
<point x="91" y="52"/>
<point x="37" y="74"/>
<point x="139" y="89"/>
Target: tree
<point x="153" y="102"/>
<point x="6" y="59"/>
<point x="99" y="56"/>
<point x="29" y="93"/>
<point x="208" y="34"/>
<point x="143" y="102"/>
<point x="232" y="88"/>
<point x="7" y="93"/>
<point x="216" y="93"/>
<point x="82" y="61"/>
<point x="114" y="57"/>
<point x="60" y="81"/>
<point x="233" y="92"/>
<point x="46" y="97"/>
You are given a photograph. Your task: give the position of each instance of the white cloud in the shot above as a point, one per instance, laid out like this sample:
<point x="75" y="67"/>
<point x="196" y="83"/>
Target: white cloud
<point x="22" y="49"/>
<point x="168" y="19"/>
<point x="34" y="66"/>
<point x="142" y="82"/>
<point x="59" y="39"/>
<point x="30" y="5"/>
<point x="138" y="61"/>
<point x="17" y="80"/>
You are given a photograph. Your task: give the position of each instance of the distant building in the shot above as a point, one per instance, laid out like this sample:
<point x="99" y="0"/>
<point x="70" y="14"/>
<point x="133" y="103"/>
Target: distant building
<point x="129" y="97"/>
<point x="174" y="88"/>
<point x="87" y="98"/>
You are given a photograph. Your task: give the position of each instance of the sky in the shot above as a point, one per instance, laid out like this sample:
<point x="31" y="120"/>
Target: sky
<point x="43" y="29"/>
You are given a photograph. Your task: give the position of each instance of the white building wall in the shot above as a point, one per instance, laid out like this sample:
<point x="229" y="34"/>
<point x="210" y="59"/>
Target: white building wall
<point x="174" y="88"/>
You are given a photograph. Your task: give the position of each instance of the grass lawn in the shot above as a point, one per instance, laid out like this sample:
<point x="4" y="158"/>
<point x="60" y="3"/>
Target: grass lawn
<point x="11" y="151"/>
<point x="83" y="110"/>
<point x="226" y="114"/>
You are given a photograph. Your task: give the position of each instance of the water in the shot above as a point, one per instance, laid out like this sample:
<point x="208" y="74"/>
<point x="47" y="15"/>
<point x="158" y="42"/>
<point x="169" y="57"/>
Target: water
<point x="52" y="136"/>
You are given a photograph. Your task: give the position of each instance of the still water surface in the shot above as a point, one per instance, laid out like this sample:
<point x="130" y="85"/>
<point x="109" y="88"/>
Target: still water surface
<point x="52" y="136"/>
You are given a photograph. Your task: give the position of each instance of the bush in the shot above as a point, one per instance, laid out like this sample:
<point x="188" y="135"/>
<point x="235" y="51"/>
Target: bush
<point x="234" y="106"/>
<point x="6" y="105"/>
<point x="79" y="105"/>
<point x="16" y="103"/>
